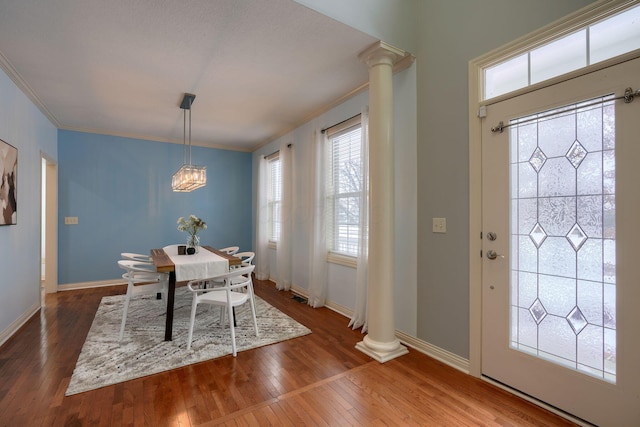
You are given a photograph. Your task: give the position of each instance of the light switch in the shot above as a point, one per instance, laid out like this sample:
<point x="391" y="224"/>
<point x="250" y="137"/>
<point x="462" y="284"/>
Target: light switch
<point x="439" y="225"/>
<point x="70" y="220"/>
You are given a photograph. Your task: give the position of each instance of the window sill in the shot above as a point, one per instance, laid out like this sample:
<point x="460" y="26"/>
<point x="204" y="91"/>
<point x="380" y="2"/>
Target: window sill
<point x="341" y="259"/>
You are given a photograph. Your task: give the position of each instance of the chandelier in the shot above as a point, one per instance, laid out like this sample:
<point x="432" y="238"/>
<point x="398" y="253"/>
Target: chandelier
<point x="189" y="177"/>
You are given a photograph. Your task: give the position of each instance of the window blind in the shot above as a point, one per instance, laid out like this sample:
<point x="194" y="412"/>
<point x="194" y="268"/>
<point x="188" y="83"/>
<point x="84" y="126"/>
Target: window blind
<point x="274" y="197"/>
<point x="344" y="184"/>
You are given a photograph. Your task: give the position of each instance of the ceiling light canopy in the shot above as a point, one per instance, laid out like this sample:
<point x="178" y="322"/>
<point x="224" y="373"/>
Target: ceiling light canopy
<point x="189" y="177"/>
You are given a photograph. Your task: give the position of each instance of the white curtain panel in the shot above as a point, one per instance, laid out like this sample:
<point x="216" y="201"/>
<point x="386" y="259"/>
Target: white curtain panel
<point x="283" y="281"/>
<point x="262" y="224"/>
<point x="318" y="251"/>
<point x="359" y="317"/>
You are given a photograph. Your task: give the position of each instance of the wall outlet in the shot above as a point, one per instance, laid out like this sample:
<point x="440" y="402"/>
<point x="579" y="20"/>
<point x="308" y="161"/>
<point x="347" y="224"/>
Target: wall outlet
<point x="439" y="225"/>
<point x="70" y="220"/>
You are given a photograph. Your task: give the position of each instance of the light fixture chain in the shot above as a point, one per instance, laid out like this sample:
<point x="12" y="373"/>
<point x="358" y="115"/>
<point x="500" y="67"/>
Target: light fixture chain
<point x="184" y="137"/>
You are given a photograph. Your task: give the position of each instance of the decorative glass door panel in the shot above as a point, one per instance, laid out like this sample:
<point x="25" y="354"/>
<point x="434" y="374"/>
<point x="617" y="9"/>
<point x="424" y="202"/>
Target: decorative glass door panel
<point x="563" y="305"/>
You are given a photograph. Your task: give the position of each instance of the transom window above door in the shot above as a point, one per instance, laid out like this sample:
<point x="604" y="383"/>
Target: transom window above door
<point x="592" y="43"/>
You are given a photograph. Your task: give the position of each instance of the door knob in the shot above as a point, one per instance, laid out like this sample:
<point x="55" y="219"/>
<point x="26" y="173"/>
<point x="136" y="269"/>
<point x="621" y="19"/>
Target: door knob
<point x="491" y="254"/>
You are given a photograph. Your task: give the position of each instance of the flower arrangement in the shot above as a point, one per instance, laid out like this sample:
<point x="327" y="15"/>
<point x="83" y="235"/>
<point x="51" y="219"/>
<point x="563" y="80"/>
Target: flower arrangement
<point x="192" y="225"/>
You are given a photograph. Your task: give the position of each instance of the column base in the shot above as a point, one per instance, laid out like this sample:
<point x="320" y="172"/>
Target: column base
<point x="382" y="352"/>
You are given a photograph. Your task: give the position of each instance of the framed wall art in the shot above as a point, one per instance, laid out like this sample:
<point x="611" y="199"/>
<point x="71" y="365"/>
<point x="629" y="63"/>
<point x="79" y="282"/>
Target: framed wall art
<point x="8" y="184"/>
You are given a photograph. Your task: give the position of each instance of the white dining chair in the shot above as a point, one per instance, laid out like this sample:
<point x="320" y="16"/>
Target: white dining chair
<point x="142" y="278"/>
<point x="230" y="250"/>
<point x="226" y="295"/>
<point x="247" y="260"/>
<point x="245" y="257"/>
<point x="137" y="257"/>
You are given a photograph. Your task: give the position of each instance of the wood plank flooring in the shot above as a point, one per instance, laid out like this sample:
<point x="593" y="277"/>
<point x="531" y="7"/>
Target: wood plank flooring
<point x="319" y="379"/>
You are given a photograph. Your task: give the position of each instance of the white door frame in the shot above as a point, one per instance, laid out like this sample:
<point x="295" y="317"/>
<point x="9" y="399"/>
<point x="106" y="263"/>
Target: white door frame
<point x="51" y="223"/>
<point x="565" y="25"/>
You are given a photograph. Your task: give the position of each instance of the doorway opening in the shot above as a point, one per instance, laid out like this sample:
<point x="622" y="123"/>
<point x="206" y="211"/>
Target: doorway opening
<point x="48" y="227"/>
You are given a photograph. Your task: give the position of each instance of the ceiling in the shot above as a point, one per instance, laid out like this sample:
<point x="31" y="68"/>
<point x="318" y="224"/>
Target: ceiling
<point x="121" y="67"/>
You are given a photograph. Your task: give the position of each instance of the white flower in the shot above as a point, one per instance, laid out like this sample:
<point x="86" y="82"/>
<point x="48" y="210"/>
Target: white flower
<point x="191" y="225"/>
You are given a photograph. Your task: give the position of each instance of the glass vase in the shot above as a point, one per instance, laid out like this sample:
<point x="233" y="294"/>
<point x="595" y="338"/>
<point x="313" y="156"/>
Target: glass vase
<point x="193" y="244"/>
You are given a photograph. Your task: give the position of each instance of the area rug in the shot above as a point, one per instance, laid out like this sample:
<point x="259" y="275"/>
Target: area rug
<point x="104" y="360"/>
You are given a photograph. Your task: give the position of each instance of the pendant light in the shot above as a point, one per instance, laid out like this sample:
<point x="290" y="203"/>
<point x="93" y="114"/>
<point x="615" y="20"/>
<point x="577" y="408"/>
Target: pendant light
<point x="189" y="177"/>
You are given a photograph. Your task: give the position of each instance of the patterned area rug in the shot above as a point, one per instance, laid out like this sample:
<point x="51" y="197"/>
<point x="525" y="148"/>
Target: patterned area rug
<point x="105" y="361"/>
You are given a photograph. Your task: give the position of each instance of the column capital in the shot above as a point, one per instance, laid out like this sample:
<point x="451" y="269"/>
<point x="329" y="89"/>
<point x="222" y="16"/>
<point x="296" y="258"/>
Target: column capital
<point x="381" y="53"/>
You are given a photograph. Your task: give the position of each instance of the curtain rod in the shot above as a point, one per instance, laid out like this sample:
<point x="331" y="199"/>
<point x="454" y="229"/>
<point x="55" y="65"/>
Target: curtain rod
<point x="344" y="121"/>
<point x="269" y="155"/>
<point x="628" y="96"/>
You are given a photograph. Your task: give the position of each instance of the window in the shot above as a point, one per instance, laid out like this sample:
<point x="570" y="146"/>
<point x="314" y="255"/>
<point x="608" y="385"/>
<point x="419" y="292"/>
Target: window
<point x="605" y="39"/>
<point x="344" y="185"/>
<point x="274" y="197"/>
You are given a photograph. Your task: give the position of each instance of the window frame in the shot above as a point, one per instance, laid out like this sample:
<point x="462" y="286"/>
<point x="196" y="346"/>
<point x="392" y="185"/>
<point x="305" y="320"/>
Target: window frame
<point x="335" y="255"/>
<point x="273" y="201"/>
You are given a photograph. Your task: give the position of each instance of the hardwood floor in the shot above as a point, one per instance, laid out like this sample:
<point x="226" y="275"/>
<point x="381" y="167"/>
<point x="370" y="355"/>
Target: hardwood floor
<point x="318" y="379"/>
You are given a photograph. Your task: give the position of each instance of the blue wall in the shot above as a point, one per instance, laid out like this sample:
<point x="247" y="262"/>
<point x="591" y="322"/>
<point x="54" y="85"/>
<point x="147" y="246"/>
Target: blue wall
<point x="120" y="190"/>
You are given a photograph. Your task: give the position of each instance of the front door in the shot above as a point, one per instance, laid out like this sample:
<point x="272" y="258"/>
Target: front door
<point x="561" y="245"/>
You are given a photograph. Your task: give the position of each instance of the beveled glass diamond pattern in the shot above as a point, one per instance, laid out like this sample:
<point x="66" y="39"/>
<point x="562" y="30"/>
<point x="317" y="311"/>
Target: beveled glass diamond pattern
<point x="537" y="159"/>
<point x="538" y="311"/>
<point x="563" y="196"/>
<point x="537" y="235"/>
<point x="577" y="320"/>
<point x="576" y="154"/>
<point x="576" y="237"/>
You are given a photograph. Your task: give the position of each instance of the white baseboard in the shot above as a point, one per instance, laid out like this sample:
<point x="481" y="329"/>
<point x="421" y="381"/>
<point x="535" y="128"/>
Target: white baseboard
<point x="18" y="323"/>
<point x="298" y="290"/>
<point x="346" y="312"/>
<point x="86" y="285"/>
<point x="444" y="356"/>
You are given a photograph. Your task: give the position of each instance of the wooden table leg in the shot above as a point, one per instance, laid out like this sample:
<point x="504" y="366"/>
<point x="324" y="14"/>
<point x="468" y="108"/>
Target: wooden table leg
<point x="168" y="328"/>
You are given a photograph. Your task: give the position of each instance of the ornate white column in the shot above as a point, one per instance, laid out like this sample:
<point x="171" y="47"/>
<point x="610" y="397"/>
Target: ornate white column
<point x="381" y="342"/>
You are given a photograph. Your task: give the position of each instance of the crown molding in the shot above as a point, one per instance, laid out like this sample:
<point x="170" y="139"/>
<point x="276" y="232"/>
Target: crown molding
<point x="401" y="64"/>
<point x="313" y="115"/>
<point x="22" y="84"/>
<point x="156" y="139"/>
